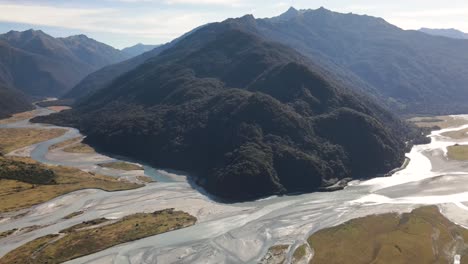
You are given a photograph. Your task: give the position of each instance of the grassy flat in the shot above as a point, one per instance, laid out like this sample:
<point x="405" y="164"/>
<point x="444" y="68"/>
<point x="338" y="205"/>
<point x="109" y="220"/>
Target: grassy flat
<point x="275" y="254"/>
<point x="79" y="148"/>
<point x="19" y="117"/>
<point x="66" y="143"/>
<point x="300" y="253"/>
<point x="73" y="145"/>
<point x="16" y="194"/>
<point x="7" y="233"/>
<point x="86" y="239"/>
<point x="16" y="138"/>
<point x="145" y="179"/>
<point x="439" y="121"/>
<point x="458" y="152"/>
<point x="86" y="225"/>
<point x="422" y="236"/>
<point x="121" y="166"/>
<point x="459" y="134"/>
<point x="74" y="214"/>
<point x="58" y="108"/>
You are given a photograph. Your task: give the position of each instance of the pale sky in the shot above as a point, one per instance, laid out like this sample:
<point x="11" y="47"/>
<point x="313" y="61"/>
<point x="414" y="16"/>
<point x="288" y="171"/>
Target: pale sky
<point x="122" y="23"/>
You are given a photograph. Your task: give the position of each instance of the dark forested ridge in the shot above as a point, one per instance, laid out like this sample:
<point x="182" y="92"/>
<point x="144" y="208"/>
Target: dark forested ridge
<point x="247" y="117"/>
<point x="40" y="65"/>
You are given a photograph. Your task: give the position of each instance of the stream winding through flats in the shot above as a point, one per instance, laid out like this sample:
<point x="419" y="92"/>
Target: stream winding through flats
<point x="242" y="232"/>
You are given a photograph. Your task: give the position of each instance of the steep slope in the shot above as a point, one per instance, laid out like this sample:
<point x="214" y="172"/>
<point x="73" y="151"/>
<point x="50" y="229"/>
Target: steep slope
<point x="138" y="49"/>
<point x="12" y="101"/>
<point x="449" y="33"/>
<point x="40" y="65"/>
<point x="34" y="74"/>
<point x="92" y="52"/>
<point x="247" y="117"/>
<point x="103" y="77"/>
<point x="413" y="72"/>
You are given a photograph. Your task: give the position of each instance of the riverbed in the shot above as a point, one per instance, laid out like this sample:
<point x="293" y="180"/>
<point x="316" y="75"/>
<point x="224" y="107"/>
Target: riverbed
<point x="242" y="232"/>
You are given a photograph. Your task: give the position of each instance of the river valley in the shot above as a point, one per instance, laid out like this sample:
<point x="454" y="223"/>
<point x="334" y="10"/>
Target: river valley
<point x="241" y="232"/>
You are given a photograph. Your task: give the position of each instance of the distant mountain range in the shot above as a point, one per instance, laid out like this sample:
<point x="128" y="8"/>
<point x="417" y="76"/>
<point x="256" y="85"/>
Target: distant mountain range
<point x="41" y="65"/>
<point x="138" y="49"/>
<point x="34" y="64"/>
<point x="106" y="75"/>
<point x="409" y="72"/>
<point x="449" y="33"/>
<point x="248" y="117"/>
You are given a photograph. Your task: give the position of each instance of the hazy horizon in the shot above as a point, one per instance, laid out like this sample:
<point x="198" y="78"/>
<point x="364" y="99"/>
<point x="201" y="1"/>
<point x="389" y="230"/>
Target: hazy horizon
<point x="123" y="23"/>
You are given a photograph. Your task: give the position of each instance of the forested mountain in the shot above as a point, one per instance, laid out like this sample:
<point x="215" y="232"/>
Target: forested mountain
<point x="12" y="101"/>
<point x="413" y="72"/>
<point x="246" y="116"/>
<point x="449" y="33"/>
<point x="408" y="71"/>
<point x="138" y="49"/>
<point x="40" y="65"/>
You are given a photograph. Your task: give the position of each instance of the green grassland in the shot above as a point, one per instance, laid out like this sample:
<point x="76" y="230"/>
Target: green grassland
<point x="422" y="236"/>
<point x="94" y="236"/>
<point x="24" y="182"/>
<point x="121" y="166"/>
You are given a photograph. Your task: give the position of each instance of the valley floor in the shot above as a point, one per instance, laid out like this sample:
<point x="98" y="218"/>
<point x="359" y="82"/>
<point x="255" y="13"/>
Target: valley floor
<point x="232" y="233"/>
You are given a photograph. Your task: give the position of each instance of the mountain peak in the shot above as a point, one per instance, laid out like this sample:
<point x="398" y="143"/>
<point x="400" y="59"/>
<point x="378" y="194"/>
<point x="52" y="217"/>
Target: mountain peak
<point x="292" y="10"/>
<point x="248" y="17"/>
<point x="322" y="10"/>
<point x="290" y="13"/>
<point x="22" y="36"/>
<point x="26" y="32"/>
<point x="79" y="37"/>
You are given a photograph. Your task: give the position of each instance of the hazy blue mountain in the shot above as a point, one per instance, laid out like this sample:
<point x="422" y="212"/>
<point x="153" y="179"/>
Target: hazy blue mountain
<point x="103" y="77"/>
<point x="92" y="52"/>
<point x="138" y="49"/>
<point x="246" y="116"/>
<point x="449" y="33"/>
<point x="40" y="65"/>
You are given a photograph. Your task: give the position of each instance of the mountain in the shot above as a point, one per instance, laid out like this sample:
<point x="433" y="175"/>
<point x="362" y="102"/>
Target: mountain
<point x="92" y="52"/>
<point x="12" y="101"/>
<point x="247" y="117"/>
<point x="103" y="77"/>
<point x="412" y="72"/>
<point x="138" y="49"/>
<point x="449" y="33"/>
<point x="408" y="71"/>
<point x="40" y="65"/>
